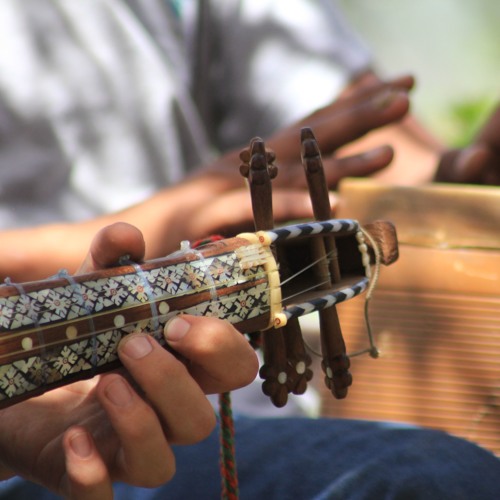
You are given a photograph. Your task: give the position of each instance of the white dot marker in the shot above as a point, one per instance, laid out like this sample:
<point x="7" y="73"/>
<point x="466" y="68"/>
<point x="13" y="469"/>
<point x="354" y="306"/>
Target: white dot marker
<point x="282" y="377"/>
<point x="119" y="321"/>
<point x="71" y="332"/>
<point x="163" y="308"/>
<point x="300" y="368"/>
<point x="329" y="372"/>
<point x="27" y="343"/>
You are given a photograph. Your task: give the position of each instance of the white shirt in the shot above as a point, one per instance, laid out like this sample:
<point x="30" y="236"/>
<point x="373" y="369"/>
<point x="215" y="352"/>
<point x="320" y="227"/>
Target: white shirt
<point x="104" y="101"/>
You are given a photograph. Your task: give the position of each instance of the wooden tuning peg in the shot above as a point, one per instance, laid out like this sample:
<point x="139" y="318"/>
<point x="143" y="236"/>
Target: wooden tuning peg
<point x="258" y="168"/>
<point x="335" y="361"/>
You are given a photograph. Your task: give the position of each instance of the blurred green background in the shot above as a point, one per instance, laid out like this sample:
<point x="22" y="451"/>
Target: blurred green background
<point x="451" y="46"/>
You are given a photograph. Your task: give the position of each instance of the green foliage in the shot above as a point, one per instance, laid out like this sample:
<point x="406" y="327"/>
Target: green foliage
<point x="467" y="118"/>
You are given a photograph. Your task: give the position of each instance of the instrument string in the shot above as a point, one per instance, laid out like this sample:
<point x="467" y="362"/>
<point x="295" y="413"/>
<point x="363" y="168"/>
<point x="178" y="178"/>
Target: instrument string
<point x="77" y="290"/>
<point x="305" y="268"/>
<point x="145" y="284"/>
<point x="152" y="302"/>
<point x="304" y="290"/>
<point x="124" y="283"/>
<point x="35" y="317"/>
<point x="94" y="332"/>
<point x="149" y="292"/>
<point x="372" y="350"/>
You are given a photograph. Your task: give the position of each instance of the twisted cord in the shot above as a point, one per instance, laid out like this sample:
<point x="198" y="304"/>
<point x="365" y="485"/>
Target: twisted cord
<point x="229" y="474"/>
<point x="228" y="470"/>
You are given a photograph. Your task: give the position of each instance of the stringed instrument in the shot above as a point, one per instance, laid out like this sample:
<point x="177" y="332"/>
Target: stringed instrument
<point x="436" y="314"/>
<point x="67" y="328"/>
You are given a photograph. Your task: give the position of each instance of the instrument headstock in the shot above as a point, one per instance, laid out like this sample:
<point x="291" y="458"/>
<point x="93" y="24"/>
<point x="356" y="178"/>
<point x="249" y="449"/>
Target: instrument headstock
<point x="286" y="368"/>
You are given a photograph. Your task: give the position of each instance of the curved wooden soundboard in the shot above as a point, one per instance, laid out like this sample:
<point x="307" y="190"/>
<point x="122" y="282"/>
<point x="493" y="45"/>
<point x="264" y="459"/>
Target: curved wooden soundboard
<point x="436" y="314"/>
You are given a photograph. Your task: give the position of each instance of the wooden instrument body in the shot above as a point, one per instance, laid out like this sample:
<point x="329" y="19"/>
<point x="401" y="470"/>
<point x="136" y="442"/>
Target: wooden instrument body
<point x="436" y="314"/>
<point x="68" y="327"/>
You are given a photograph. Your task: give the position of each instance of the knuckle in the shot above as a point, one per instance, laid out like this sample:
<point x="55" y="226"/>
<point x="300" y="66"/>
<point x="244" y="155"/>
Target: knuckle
<point x="160" y="474"/>
<point x="212" y="335"/>
<point x="249" y="370"/>
<point x="155" y="475"/>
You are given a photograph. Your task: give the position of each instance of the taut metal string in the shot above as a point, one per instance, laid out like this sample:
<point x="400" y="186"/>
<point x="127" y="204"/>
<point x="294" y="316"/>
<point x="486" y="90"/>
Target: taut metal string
<point x="77" y="288"/>
<point x="152" y="304"/>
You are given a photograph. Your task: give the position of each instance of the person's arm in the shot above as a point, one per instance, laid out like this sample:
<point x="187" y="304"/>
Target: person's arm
<point x="76" y="440"/>
<point x="215" y="199"/>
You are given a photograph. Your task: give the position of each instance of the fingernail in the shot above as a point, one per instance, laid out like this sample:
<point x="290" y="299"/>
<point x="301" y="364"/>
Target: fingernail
<point x="375" y="153"/>
<point x="136" y="346"/>
<point x="81" y="444"/>
<point x="176" y="329"/>
<point x="118" y="393"/>
<point x="384" y="99"/>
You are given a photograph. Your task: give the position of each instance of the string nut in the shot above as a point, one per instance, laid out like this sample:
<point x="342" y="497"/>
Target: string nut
<point x="264" y="238"/>
<point x="279" y="320"/>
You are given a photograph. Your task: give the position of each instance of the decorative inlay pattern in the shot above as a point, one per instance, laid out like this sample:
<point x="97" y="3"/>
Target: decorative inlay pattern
<point x="79" y="307"/>
<point x="71" y="326"/>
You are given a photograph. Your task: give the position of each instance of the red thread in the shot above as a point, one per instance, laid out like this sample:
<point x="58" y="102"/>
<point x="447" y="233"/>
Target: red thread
<point x="229" y="472"/>
<point x="206" y="241"/>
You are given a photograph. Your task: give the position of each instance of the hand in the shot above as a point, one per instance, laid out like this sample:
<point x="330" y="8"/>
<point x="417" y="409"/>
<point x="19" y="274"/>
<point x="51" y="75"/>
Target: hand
<point x="362" y="109"/>
<point x="119" y="427"/>
<point x="229" y="211"/>
<point x="478" y="163"/>
<point x="214" y="199"/>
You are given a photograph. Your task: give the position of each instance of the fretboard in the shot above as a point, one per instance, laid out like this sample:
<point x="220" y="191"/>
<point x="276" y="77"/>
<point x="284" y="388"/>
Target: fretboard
<point x="68" y="327"/>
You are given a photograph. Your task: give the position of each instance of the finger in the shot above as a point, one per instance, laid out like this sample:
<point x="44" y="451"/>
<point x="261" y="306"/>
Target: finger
<point x="232" y="213"/>
<point x="86" y="475"/>
<point x="360" y="165"/>
<point x="368" y="89"/>
<point x="178" y="400"/>
<point x="112" y="243"/>
<point x="371" y="84"/>
<point x="466" y="165"/>
<point x="220" y="358"/>
<point x="144" y="457"/>
<point x="293" y="204"/>
<point x="403" y="82"/>
<point x="339" y="128"/>
<point x="227" y="214"/>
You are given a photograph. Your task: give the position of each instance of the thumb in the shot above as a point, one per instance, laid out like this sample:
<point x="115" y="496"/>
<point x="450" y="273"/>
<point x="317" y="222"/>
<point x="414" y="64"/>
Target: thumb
<point x="112" y="243"/>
